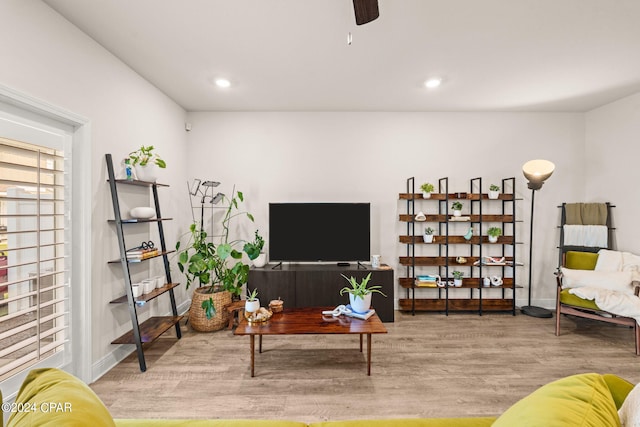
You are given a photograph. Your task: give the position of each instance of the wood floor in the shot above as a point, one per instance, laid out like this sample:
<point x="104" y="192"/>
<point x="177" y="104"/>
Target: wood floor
<point x="428" y="365"/>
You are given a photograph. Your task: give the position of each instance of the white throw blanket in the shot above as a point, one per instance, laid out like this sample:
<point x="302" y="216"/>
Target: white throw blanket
<point x="593" y="236"/>
<point x="614" y="302"/>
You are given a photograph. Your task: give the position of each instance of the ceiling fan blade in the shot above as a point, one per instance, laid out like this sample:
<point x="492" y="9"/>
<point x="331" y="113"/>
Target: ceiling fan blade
<point x="366" y="10"/>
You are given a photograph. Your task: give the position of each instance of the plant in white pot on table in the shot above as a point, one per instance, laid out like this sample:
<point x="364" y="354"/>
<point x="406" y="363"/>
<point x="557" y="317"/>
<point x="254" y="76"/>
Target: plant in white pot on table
<point x="359" y="294"/>
<point x="494" y="191"/>
<point x="428" y="235"/>
<point x="252" y="303"/>
<point x="457" y="208"/>
<point x="146" y="163"/>
<point x="427" y="188"/>
<point x="494" y="233"/>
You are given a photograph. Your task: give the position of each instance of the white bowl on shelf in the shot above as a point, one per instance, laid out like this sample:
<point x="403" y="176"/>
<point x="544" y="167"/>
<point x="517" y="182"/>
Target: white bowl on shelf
<point x="160" y="281"/>
<point x="136" y="288"/>
<point x="148" y="285"/>
<point x="142" y="212"/>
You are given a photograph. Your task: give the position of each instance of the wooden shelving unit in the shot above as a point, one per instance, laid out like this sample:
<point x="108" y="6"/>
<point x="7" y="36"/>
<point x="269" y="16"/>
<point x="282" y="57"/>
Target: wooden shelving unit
<point x="440" y="256"/>
<point x="152" y="328"/>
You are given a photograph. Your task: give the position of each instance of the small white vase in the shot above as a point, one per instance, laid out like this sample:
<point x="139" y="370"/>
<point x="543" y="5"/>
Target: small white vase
<point x="493" y="239"/>
<point x="494" y="195"/>
<point x="261" y="261"/>
<point x="426" y="195"/>
<point x="457" y="283"/>
<point x="428" y="238"/>
<point x="360" y="305"/>
<point x="252" y="306"/>
<point x="147" y="173"/>
<point x="457" y="213"/>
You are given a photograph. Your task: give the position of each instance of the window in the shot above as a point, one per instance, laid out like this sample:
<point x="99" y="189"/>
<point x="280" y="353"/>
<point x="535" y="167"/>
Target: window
<point x="34" y="273"/>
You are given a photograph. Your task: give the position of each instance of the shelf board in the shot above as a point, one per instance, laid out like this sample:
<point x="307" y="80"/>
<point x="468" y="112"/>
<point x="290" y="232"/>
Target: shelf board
<point x="142" y="299"/>
<point x="150" y="329"/>
<point x="442" y="240"/>
<point x="454" y="196"/>
<point x="467" y="283"/>
<point x="455" y="304"/>
<point x="138" y="221"/>
<point x="473" y="218"/>
<point x="136" y="261"/>
<point x="436" y="261"/>
<point x="139" y="183"/>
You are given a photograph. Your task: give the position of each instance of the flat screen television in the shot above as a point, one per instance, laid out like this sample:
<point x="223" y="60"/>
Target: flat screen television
<point x="312" y="232"/>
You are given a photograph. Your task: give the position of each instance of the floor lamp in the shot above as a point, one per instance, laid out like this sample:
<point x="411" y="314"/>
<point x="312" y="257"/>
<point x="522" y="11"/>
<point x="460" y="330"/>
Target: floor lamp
<point x="537" y="172"/>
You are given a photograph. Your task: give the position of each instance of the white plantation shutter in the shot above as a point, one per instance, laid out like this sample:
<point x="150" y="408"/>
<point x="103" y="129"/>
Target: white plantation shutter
<point x="34" y="273"/>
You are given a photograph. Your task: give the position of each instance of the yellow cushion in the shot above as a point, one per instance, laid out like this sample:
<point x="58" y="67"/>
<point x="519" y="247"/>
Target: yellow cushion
<point x="574" y="300"/>
<point x="580" y="260"/>
<point x="205" y="423"/>
<point x="56" y="398"/>
<point x="580" y="400"/>
<point x="411" y="422"/>
<point x="618" y="387"/>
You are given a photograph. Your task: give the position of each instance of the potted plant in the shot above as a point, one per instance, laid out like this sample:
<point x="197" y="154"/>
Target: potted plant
<point x="254" y="251"/>
<point x="359" y="294"/>
<point x="494" y="191"/>
<point x="457" y="208"/>
<point x="146" y="163"/>
<point x="252" y="303"/>
<point x="428" y="235"/>
<point x="457" y="278"/>
<point x="427" y="189"/>
<point x="217" y="267"/>
<point x="494" y="233"/>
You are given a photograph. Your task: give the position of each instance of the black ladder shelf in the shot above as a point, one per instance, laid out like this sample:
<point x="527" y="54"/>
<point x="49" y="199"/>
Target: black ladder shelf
<point x="152" y="328"/>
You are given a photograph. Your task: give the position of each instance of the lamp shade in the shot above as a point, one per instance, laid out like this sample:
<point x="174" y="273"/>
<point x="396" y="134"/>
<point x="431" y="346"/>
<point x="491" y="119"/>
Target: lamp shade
<point x="537" y="172"/>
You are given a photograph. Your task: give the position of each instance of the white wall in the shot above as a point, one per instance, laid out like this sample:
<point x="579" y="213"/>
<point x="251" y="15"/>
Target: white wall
<point x="46" y="57"/>
<point x="368" y="157"/>
<point x="612" y="156"/>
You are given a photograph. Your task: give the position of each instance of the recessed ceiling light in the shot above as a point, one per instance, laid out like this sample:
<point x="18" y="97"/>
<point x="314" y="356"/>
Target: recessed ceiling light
<point x="223" y="83"/>
<point x="433" y="82"/>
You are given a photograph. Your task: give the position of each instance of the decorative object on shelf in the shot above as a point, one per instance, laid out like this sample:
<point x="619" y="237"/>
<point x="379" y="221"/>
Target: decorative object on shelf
<point x="469" y="234"/>
<point x="258" y="316"/>
<point x="461" y="260"/>
<point x="457" y="278"/>
<point x="428" y="281"/>
<point x="537" y="172"/>
<point x="359" y="294"/>
<point x="494" y="191"/>
<point x="142" y="212"/>
<point x="129" y="171"/>
<point x="487" y="260"/>
<point x="146" y="250"/>
<point x="457" y="208"/>
<point x="427" y="189"/>
<point x="276" y="305"/>
<point x="494" y="233"/>
<point x="136" y="288"/>
<point x="375" y="261"/>
<point x="254" y="251"/>
<point x="252" y="303"/>
<point x="212" y="266"/>
<point x="486" y="282"/>
<point x="148" y="285"/>
<point x="496" y="281"/>
<point x="428" y="235"/>
<point x="146" y="163"/>
<point x="420" y="216"/>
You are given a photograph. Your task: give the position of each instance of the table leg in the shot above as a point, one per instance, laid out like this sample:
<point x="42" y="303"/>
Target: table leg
<point x="368" y="354"/>
<point x="252" y="345"/>
<point x="260" y="344"/>
<point x="361" y="342"/>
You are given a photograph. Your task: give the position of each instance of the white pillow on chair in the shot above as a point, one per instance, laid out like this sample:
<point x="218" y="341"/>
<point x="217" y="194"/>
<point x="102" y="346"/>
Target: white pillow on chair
<point x="629" y="412"/>
<point x="613" y="280"/>
<point x="609" y="260"/>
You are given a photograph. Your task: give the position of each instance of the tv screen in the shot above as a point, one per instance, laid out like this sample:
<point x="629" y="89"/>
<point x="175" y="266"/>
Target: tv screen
<point x="319" y="232"/>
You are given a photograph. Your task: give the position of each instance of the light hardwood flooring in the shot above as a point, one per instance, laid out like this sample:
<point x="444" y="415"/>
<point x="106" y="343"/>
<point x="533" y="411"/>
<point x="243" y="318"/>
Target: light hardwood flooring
<point x="428" y="365"/>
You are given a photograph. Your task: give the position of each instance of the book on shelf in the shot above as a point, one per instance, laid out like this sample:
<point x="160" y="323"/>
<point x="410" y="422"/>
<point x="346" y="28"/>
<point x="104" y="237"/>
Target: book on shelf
<point x="426" y="281"/>
<point x="138" y="255"/>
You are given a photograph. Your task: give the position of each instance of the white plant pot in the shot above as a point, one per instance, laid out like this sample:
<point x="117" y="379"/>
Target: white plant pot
<point x="494" y="194"/>
<point x="360" y="305"/>
<point x="426" y="195"/>
<point x="428" y="238"/>
<point x="261" y="261"/>
<point x="457" y="283"/>
<point x="147" y="173"/>
<point x="493" y="239"/>
<point x="252" y="306"/>
<point x="457" y="213"/>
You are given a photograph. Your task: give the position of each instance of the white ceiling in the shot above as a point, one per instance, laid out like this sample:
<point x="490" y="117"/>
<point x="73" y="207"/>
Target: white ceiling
<point x="292" y="55"/>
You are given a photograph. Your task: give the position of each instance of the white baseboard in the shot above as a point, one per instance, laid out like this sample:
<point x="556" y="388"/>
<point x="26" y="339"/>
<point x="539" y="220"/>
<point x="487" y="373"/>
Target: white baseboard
<point x="120" y="352"/>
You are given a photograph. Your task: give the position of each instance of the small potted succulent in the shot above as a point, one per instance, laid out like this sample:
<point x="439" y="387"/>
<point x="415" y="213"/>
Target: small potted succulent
<point x="428" y="235"/>
<point x="457" y="208"/>
<point x="359" y="294"/>
<point x="494" y="191"/>
<point x="252" y="303"/>
<point x="427" y="189"/>
<point x="494" y="233"/>
<point x="146" y="163"/>
<point x="457" y="278"/>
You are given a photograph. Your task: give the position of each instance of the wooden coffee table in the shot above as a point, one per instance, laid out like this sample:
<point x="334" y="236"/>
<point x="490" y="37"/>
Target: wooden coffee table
<point x="305" y="321"/>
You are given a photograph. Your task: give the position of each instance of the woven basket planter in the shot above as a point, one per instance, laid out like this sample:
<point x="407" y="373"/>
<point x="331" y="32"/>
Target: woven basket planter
<point x="197" y="318"/>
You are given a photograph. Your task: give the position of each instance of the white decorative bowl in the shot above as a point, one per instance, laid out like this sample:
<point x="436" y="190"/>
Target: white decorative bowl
<point x="142" y="212"/>
<point x="136" y="289"/>
<point x="160" y="281"/>
<point x="149" y="285"/>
